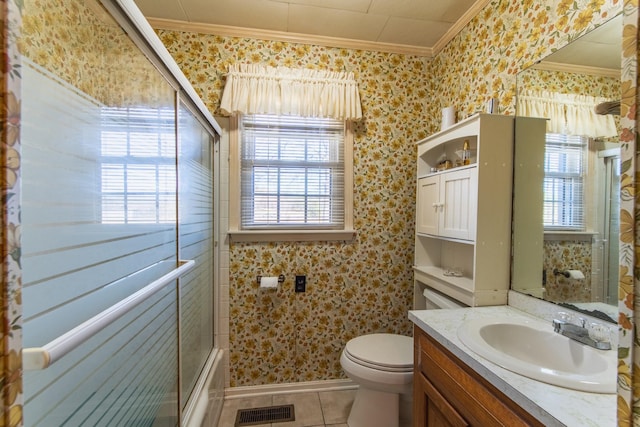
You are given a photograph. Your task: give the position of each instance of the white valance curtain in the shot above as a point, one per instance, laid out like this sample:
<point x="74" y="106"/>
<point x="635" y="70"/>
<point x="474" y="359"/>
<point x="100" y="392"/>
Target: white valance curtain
<point x="258" y="89"/>
<point x="568" y="114"/>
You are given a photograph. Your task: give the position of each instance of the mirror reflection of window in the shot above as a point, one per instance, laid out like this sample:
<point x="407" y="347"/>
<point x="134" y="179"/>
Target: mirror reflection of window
<point x="564" y="170"/>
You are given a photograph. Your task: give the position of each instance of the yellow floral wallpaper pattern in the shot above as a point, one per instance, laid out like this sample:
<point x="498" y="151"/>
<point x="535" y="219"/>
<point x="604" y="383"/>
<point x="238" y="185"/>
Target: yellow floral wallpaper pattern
<point x="55" y="34"/>
<point x="353" y="287"/>
<point x="506" y="37"/>
<point x="505" y="48"/>
<point x="629" y="288"/>
<point x="366" y="285"/>
<point x="565" y="255"/>
<point x="574" y="83"/>
<point x="11" y="293"/>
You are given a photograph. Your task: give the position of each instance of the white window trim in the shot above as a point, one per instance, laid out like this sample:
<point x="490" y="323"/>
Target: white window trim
<point x="236" y="234"/>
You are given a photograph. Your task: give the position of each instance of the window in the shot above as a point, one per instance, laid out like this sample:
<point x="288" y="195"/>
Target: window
<point x="294" y="177"/>
<point x="138" y="166"/>
<point x="564" y="170"/>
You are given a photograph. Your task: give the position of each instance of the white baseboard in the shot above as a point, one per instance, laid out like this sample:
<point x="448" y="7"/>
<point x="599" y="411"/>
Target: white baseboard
<point x="301" y="387"/>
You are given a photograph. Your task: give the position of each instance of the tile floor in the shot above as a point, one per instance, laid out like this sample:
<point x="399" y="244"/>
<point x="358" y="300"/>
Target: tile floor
<point x="312" y="409"/>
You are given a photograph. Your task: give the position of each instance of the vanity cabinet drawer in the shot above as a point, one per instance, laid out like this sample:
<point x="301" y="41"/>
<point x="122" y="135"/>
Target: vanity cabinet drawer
<point x="445" y="385"/>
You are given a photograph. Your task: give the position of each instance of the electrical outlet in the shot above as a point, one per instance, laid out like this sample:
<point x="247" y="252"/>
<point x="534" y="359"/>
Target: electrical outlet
<point x="301" y="283"/>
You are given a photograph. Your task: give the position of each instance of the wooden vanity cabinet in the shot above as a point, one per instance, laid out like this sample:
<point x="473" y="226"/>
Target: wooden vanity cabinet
<point x="447" y="392"/>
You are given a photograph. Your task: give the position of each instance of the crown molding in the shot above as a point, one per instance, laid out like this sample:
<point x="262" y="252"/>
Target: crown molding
<point x="577" y="69"/>
<point x="253" y="33"/>
<point x="471" y="13"/>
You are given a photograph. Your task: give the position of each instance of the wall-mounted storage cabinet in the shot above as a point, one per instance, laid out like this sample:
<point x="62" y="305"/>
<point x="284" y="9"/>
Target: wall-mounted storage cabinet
<point x="463" y="211"/>
<point x="446" y="204"/>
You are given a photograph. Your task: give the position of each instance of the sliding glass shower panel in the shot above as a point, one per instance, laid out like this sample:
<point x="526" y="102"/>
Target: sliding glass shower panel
<point x="612" y="229"/>
<point x="196" y="202"/>
<point x="99" y="215"/>
<point x="123" y="376"/>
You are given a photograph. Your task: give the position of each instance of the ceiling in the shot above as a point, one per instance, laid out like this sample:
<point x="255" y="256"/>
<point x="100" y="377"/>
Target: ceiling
<point x="403" y="26"/>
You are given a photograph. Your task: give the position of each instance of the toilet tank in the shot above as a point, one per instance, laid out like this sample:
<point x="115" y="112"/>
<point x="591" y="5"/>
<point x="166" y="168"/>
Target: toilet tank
<point x="435" y="300"/>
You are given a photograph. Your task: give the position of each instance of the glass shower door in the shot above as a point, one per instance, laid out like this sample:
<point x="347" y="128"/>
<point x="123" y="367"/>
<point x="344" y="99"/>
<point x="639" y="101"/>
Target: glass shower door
<point x="99" y="219"/>
<point x="196" y="235"/>
<point x="612" y="229"/>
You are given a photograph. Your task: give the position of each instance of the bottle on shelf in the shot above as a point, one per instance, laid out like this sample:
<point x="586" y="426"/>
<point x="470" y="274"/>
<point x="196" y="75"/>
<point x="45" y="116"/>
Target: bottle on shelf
<point x="466" y="153"/>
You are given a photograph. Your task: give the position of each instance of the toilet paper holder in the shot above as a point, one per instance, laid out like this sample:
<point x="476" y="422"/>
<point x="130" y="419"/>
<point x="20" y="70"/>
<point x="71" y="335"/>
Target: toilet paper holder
<point x="573" y="274"/>
<point x="280" y="278"/>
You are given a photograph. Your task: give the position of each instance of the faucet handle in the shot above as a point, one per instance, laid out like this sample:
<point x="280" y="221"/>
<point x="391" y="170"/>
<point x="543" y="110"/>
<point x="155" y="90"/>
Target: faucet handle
<point x="565" y="317"/>
<point x="599" y="332"/>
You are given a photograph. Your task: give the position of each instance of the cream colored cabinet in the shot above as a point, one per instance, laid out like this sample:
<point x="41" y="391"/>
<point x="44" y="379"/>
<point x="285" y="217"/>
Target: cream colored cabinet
<point x="463" y="213"/>
<point x="446" y="204"/>
<point x="428" y="205"/>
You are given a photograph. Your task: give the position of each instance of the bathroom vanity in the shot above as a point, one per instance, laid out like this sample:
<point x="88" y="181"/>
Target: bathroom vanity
<point x="448" y="393"/>
<point x="453" y="386"/>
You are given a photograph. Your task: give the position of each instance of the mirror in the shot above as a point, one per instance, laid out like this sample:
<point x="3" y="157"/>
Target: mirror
<point x="566" y="188"/>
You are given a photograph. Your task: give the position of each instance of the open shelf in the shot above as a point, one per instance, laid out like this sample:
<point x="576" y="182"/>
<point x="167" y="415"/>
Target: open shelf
<point x="432" y="272"/>
<point x="448" y="239"/>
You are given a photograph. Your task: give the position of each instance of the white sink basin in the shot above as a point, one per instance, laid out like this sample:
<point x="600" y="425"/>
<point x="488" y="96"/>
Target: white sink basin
<point x="534" y="350"/>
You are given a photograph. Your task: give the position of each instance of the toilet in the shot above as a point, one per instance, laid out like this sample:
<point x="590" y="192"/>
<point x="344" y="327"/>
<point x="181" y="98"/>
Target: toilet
<point x="382" y="366"/>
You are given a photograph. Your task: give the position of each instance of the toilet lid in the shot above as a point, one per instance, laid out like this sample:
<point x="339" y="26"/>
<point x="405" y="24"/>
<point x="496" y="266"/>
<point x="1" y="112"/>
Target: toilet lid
<point x="384" y="350"/>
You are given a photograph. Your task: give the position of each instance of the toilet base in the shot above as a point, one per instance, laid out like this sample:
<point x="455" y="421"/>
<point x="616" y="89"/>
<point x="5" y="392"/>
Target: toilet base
<point x="373" y="408"/>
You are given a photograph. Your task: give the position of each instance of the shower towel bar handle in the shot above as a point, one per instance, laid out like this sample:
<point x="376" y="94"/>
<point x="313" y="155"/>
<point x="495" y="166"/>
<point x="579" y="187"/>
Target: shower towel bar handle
<point x="36" y="358"/>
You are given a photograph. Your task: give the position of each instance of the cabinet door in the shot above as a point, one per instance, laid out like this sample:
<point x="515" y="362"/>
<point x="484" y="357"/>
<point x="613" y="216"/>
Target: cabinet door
<point x="431" y="408"/>
<point x="458" y="198"/>
<point x="428" y="205"/>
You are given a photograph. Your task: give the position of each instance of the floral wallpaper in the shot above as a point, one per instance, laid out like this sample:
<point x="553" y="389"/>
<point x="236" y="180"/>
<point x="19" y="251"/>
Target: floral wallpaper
<point x="353" y="287"/>
<point x="629" y="286"/>
<point x="369" y="279"/>
<point x="506" y="37"/>
<point x="565" y="82"/>
<point x="568" y="255"/>
<point x="61" y="49"/>
<point x="366" y="285"/>
<point x="11" y="296"/>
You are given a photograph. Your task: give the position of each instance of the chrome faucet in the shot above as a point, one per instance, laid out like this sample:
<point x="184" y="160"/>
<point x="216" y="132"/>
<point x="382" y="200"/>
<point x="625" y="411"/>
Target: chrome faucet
<point x="597" y="336"/>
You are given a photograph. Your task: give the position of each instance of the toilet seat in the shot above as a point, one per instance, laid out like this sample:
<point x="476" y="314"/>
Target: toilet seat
<point x="383" y="352"/>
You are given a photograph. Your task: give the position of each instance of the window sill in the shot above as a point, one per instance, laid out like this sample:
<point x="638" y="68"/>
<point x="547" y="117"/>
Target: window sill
<point x="290" y="235"/>
<point x="569" y="235"/>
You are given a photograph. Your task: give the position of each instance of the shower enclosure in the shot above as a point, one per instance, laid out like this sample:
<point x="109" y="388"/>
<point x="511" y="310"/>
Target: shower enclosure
<point x="118" y="220"/>
<point x="611" y="226"/>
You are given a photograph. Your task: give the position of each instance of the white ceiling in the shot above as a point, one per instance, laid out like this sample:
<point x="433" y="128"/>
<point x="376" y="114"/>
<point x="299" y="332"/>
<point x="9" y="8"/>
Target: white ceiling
<point x="420" y="27"/>
<point x="411" y="26"/>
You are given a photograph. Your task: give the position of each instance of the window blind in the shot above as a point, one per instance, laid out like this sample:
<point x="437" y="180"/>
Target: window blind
<point x="292" y="172"/>
<point x="564" y="166"/>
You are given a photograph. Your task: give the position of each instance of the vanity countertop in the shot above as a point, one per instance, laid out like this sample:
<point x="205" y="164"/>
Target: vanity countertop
<point x="552" y="405"/>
